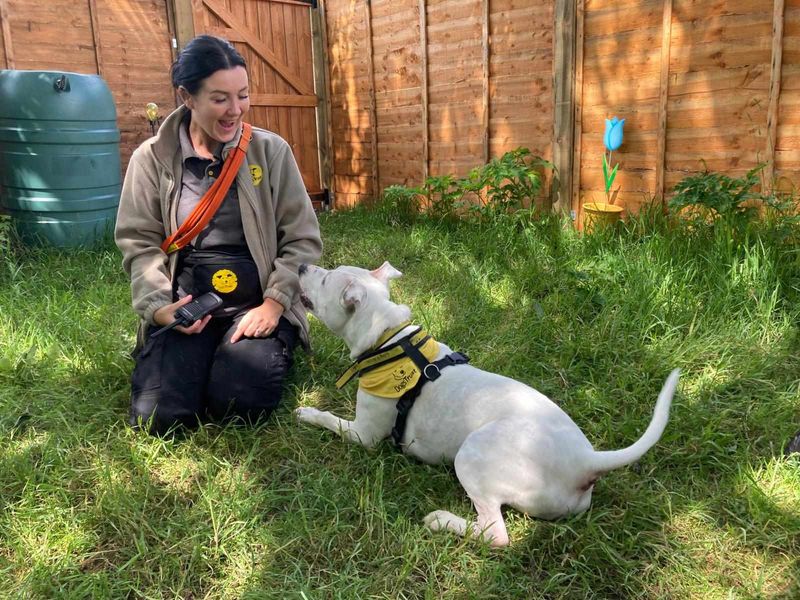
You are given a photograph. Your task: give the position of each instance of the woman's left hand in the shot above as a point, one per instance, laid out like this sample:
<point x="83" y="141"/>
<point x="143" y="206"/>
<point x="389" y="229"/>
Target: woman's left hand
<point x="259" y="322"/>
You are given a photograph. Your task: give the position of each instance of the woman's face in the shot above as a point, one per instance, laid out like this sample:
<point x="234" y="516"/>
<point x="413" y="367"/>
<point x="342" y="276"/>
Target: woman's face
<point x="219" y="105"/>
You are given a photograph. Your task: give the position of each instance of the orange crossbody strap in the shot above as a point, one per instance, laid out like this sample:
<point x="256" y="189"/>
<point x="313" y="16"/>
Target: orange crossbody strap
<point x="212" y="199"/>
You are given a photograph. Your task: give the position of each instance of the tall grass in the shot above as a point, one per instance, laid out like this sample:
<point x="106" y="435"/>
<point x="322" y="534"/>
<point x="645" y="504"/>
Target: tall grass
<point x="92" y="509"/>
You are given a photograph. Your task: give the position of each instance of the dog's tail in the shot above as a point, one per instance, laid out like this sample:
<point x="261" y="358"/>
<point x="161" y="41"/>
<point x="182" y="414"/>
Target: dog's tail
<point x="608" y="460"/>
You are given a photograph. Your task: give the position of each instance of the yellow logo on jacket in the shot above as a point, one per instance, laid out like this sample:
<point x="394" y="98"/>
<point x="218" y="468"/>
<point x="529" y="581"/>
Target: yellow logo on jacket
<point x="224" y="281"/>
<point x="397" y="377"/>
<point x="256" y="173"/>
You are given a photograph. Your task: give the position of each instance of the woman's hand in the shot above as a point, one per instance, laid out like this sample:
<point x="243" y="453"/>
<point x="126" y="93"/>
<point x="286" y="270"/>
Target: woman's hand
<point x="166" y="315"/>
<point x="259" y="322"/>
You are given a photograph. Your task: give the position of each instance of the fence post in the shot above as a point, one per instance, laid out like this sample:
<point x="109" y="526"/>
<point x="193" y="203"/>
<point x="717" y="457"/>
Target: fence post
<point x="184" y="22"/>
<point x="663" y="96"/>
<point x="322" y="85"/>
<point x="563" y="102"/>
<point x="774" y="90"/>
<point x="8" y="49"/>
<point x="423" y="49"/>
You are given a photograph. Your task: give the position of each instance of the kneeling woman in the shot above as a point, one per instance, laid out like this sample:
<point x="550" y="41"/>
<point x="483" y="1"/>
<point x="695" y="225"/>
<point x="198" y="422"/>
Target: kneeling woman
<point x="232" y="363"/>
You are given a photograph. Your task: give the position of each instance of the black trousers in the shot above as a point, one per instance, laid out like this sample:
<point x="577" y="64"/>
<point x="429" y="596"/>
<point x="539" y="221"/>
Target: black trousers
<point x="184" y="380"/>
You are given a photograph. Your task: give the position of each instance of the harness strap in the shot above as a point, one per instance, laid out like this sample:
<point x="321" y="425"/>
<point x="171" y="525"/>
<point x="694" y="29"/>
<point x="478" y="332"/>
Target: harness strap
<point x="373" y="359"/>
<point x="212" y="199"/>
<point x="387" y="335"/>
<point x="430" y="372"/>
<point x="412" y="352"/>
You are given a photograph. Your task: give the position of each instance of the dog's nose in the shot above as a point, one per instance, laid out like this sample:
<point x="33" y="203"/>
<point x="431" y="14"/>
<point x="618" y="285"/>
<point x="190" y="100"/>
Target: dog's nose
<point x="302" y="268"/>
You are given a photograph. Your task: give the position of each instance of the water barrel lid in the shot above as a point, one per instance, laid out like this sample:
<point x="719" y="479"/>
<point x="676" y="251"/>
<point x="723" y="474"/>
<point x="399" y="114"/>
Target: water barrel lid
<point x="56" y="95"/>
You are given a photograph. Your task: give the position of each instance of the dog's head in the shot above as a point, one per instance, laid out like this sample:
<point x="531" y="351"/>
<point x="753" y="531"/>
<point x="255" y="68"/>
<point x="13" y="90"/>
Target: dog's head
<point x="352" y="302"/>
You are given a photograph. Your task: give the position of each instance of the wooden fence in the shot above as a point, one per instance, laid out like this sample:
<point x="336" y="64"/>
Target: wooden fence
<point x="281" y="40"/>
<point x="439" y="86"/>
<point x="429" y="87"/>
<point x="127" y="42"/>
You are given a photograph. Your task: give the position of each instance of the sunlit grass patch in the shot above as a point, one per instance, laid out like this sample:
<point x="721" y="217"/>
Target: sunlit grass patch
<point x="92" y="508"/>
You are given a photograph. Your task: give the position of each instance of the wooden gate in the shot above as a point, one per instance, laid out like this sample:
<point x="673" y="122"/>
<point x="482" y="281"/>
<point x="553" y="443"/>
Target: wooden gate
<point x="280" y="40"/>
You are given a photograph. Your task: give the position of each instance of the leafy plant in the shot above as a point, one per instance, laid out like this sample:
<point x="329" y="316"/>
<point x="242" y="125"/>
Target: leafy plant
<point x="399" y="204"/>
<point x="506" y="184"/>
<point x="717" y="201"/>
<point x="5" y="235"/>
<point x="442" y="194"/>
<point x="724" y="196"/>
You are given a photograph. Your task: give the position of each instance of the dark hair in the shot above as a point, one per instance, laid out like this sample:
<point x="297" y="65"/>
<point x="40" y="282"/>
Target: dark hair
<point x="202" y="57"/>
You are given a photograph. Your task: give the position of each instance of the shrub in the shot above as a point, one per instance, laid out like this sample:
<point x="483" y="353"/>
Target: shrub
<point x="713" y="200"/>
<point x="443" y="195"/>
<point x="399" y="204"/>
<point x="6" y="235"/>
<point x="506" y="184"/>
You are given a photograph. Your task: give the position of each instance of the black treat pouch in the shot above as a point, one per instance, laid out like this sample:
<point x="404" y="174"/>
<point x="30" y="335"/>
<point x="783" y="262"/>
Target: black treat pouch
<point x="233" y="276"/>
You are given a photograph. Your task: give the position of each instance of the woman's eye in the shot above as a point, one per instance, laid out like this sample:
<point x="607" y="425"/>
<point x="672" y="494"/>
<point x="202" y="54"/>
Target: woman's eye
<point x="243" y="97"/>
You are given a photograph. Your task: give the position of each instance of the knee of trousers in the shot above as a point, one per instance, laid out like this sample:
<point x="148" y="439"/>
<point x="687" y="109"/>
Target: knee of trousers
<point x="168" y="380"/>
<point x="249" y="389"/>
<point x="161" y="411"/>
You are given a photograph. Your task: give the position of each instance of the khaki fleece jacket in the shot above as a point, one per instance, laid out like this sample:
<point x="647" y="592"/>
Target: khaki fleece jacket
<point x="280" y="225"/>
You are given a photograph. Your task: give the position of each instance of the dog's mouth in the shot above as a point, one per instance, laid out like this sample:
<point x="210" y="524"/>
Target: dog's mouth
<point x="306" y="301"/>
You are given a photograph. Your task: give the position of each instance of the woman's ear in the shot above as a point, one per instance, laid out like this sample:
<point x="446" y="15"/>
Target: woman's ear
<point x="186" y="97"/>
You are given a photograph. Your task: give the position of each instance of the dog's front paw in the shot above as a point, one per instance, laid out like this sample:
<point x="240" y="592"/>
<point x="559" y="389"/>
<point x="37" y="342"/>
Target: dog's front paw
<point x="306" y="414"/>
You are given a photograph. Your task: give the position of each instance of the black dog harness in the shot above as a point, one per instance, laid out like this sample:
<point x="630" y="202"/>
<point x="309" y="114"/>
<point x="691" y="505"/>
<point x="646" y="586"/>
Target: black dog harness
<point x="392" y="361"/>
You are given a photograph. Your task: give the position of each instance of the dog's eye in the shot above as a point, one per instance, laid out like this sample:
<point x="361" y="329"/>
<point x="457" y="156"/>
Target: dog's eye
<point x="324" y="278"/>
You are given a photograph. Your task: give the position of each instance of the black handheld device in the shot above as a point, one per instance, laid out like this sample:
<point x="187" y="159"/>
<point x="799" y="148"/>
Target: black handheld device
<point x="191" y="312"/>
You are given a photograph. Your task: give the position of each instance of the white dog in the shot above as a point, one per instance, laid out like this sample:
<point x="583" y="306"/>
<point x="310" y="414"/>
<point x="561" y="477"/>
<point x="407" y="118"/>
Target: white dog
<point x="510" y="444"/>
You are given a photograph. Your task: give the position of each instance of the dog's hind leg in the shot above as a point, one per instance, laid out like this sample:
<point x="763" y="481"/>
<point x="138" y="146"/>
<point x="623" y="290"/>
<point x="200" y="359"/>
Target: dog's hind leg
<point x="490" y="525"/>
<point x="481" y="475"/>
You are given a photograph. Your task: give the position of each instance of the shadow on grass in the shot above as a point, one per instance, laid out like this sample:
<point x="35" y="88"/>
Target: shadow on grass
<point x="470" y="314"/>
<point x="286" y="509"/>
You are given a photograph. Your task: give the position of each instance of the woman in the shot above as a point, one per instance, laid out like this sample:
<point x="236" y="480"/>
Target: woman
<point x="232" y="363"/>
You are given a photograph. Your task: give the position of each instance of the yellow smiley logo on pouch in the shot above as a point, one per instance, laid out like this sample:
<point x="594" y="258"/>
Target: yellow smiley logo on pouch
<point x="256" y="173"/>
<point x="224" y="281"/>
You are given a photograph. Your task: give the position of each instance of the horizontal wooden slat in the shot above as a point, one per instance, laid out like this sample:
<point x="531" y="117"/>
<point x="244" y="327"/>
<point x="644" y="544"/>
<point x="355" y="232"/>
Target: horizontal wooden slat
<point x="283" y="100"/>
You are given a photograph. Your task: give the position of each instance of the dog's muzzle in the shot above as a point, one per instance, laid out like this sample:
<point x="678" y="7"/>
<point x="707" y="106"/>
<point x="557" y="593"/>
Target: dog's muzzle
<point x="305" y="301"/>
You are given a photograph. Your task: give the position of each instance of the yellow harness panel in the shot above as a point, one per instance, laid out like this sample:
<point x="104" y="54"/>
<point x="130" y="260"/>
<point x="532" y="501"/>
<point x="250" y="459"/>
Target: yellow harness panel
<point x="393" y="379"/>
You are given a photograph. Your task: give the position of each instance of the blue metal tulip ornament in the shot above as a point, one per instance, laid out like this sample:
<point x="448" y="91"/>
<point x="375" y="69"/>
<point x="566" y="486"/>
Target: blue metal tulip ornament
<point x="612" y="140"/>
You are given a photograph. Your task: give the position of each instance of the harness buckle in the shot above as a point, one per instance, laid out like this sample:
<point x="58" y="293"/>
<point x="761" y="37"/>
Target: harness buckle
<point x="435" y="375"/>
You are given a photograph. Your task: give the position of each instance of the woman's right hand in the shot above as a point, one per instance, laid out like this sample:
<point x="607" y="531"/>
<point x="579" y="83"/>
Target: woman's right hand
<point x="166" y="315"/>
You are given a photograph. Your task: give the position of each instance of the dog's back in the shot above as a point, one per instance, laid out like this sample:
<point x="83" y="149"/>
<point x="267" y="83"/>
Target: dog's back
<point x="463" y="399"/>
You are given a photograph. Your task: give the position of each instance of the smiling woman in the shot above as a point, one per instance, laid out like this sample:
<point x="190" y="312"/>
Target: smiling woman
<point x="196" y="217"/>
<point x="217" y="108"/>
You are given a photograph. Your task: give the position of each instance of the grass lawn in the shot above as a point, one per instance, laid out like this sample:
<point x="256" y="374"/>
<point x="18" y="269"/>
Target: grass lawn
<point x="92" y="509"/>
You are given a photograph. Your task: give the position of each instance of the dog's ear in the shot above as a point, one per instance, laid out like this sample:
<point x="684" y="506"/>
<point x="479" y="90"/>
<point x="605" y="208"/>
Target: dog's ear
<point x="385" y="273"/>
<point x="353" y="295"/>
